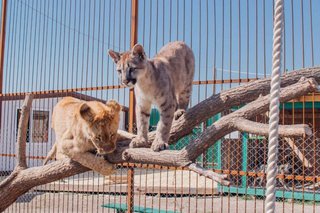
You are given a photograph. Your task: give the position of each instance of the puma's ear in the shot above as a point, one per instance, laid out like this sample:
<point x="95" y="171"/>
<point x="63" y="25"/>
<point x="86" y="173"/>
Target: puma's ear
<point x="138" y="50"/>
<point x="114" y="55"/>
<point x="86" y="113"/>
<point x="114" y="105"/>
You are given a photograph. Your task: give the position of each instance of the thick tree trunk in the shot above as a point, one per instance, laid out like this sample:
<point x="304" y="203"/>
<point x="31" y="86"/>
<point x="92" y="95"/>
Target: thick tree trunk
<point x="23" y="179"/>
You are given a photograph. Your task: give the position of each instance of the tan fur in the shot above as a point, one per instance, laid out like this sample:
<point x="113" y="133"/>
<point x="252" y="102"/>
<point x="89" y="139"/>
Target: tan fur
<point x="83" y="127"/>
<point x="165" y="81"/>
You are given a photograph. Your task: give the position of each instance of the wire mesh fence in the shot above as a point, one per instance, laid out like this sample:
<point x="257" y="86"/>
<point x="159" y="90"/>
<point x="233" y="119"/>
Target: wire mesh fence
<point x="59" y="48"/>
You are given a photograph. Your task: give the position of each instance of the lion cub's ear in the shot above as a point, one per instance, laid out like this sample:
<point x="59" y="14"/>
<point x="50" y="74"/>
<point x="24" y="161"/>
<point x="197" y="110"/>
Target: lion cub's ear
<point x="114" y="55"/>
<point x="138" y="50"/>
<point x="86" y="113"/>
<point x="114" y="105"/>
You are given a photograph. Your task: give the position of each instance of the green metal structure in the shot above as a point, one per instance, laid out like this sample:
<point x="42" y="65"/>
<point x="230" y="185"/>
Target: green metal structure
<point x="213" y="156"/>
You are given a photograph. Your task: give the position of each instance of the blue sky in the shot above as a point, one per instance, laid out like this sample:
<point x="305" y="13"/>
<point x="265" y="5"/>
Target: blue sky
<point x="60" y="44"/>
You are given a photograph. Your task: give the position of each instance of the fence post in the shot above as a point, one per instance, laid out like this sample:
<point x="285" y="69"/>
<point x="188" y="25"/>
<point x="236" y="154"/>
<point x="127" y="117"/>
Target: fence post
<point x="2" y="46"/>
<point x="133" y="41"/>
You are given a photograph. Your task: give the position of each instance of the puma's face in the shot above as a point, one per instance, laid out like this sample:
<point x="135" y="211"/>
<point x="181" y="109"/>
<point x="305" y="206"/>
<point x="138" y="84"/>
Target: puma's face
<point x="130" y="65"/>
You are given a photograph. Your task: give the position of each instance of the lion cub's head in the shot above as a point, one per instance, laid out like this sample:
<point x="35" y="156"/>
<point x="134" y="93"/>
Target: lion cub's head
<point x="102" y="123"/>
<point x="130" y="65"/>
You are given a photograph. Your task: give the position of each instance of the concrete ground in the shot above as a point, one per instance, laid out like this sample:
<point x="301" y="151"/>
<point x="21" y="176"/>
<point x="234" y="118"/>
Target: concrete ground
<point x="180" y="191"/>
<point x="147" y="181"/>
<point x="150" y="177"/>
<point x="72" y="202"/>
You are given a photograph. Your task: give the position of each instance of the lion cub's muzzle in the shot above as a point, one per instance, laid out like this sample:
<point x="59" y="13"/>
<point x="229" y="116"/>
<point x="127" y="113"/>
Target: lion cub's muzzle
<point x="103" y="147"/>
<point x="109" y="148"/>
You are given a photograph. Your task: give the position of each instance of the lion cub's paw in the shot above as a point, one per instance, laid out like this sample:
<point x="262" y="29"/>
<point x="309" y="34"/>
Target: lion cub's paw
<point x="108" y="171"/>
<point x="139" y="142"/>
<point x="159" y="145"/>
<point x="179" y="113"/>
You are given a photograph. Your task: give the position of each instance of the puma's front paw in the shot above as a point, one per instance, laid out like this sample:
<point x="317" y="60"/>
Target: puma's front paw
<point x="139" y="142"/>
<point x="179" y="113"/>
<point x="159" y="145"/>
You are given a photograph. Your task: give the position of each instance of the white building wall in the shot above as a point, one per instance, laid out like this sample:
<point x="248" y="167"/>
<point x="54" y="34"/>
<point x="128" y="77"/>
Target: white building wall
<point x="9" y="132"/>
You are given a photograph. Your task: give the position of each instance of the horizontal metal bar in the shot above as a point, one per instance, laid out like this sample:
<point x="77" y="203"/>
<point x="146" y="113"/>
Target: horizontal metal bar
<point x="44" y="92"/>
<point x="63" y="90"/>
<point x="224" y="81"/>
<point x="30" y="157"/>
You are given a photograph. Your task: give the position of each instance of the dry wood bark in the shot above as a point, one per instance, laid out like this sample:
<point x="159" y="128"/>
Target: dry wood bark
<point x="22" y="132"/>
<point x="295" y="86"/>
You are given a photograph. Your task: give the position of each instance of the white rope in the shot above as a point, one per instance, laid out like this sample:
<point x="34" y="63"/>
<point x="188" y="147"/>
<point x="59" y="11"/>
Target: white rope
<point x="274" y="107"/>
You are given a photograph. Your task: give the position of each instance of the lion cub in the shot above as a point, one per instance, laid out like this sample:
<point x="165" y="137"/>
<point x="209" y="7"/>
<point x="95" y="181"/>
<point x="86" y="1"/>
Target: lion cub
<point x="82" y="127"/>
<point x="165" y="80"/>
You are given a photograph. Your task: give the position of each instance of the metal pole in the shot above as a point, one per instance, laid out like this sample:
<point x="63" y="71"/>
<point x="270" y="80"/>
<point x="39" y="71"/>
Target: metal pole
<point x="2" y="46"/>
<point x="133" y="41"/>
<point x="130" y="188"/>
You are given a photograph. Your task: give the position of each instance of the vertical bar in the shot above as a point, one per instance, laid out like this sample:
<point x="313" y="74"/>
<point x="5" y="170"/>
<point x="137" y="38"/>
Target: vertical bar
<point x="222" y="46"/>
<point x="2" y="46"/>
<point x="302" y="33"/>
<point x="130" y="199"/>
<point x="217" y="149"/>
<point x="245" y="137"/>
<point x="311" y="33"/>
<point x="314" y="128"/>
<point x="292" y="35"/>
<point x="133" y="41"/>
<point x="2" y="40"/>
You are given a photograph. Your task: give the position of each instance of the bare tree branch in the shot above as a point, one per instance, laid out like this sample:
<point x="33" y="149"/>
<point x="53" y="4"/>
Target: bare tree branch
<point x="296" y="130"/>
<point x="22" y="132"/>
<point x="220" y="178"/>
<point x="298" y="153"/>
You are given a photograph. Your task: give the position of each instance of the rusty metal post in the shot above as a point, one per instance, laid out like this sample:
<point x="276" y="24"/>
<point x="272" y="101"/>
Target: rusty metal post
<point x="133" y="41"/>
<point x="130" y="188"/>
<point x="2" y="47"/>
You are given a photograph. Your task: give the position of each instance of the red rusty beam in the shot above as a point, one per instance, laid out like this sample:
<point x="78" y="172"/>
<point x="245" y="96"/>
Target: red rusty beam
<point x="133" y="41"/>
